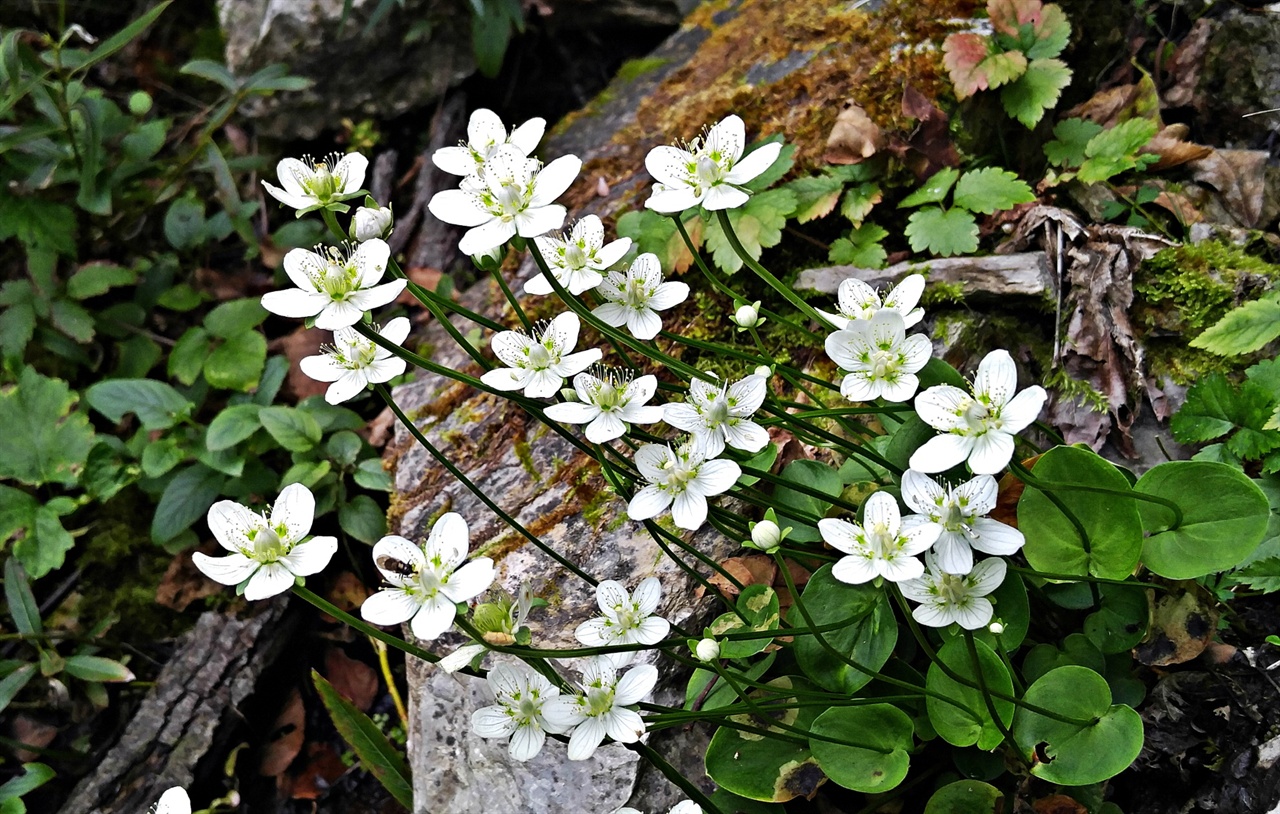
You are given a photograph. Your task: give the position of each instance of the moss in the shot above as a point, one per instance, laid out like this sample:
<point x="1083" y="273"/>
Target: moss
<point x="941" y="293"/>
<point x="1188" y="288"/>
<point x="521" y="449"/>
<point x="633" y="69"/>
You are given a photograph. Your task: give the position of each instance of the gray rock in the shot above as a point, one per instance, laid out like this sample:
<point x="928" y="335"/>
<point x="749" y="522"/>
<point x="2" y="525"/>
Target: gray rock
<point x="1240" y="76"/>
<point x="1025" y="274"/>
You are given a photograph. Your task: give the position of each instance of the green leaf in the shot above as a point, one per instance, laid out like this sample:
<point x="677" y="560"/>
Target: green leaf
<point x="17" y="326"/>
<point x="37" y="223"/>
<point x="45" y="440"/>
<point x="157" y="405"/>
<point x="145" y="140"/>
<point x="123" y="37"/>
<point x="880" y="761"/>
<point x="11" y="686"/>
<point x="1076" y="649"/>
<point x="104" y="473"/>
<point x="816" y="196"/>
<point x="758" y="224"/>
<point x="363" y="519"/>
<point x="1071" y="138"/>
<point x="759" y="767"/>
<point x="990" y="190"/>
<point x="161" y="456"/>
<point x="236" y="364"/>
<point x="969" y="723"/>
<point x="186" y="358"/>
<point x="942" y="232"/>
<point x="1215" y="534"/>
<point x="372" y="476"/>
<point x="184" y="223"/>
<point x="1079" y="755"/>
<point x="308" y="473"/>
<point x="858" y="202"/>
<point x="97" y="668"/>
<point x="46" y="545"/>
<point x="235" y="317"/>
<point x="1035" y="91"/>
<point x="1121" y="621"/>
<point x="293" y="429"/>
<point x="71" y="319"/>
<point x="34" y="775"/>
<point x="758" y="604"/>
<point x="98" y="278"/>
<point x="185" y="500"/>
<point x="966" y="797"/>
<point x="344" y="447"/>
<point x="212" y="71"/>
<point x="1115" y="150"/>
<point x="862" y="248"/>
<point x="868" y="640"/>
<point x="22" y="603"/>
<point x="934" y="190"/>
<point x="1214" y="408"/>
<point x="231" y="426"/>
<point x="1242" y="330"/>
<point x="814" y="475"/>
<point x="376" y="753"/>
<point x="1261" y="575"/>
<point x="1111" y="523"/>
<point x="490" y="33"/>
<point x="181" y="297"/>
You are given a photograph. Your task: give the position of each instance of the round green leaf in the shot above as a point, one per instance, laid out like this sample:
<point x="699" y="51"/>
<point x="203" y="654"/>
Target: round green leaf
<point x="1215" y="533"/>
<point x="1111" y="523"/>
<point x="968" y="721"/>
<point x="879" y="762"/>
<point x="1121" y="622"/>
<point x="1076" y="649"/>
<point x="363" y="519"/>
<point x="868" y="640"/>
<point x="1078" y="754"/>
<point x="759" y="767"/>
<point x="237" y="363"/>
<point x="965" y="797"/>
<point x="758" y="605"/>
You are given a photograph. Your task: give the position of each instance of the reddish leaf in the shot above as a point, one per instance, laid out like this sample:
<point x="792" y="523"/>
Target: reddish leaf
<point x="353" y="679"/>
<point x="751" y="569"/>
<point x="322" y="768"/>
<point x="963" y="55"/>
<point x="287" y="736"/>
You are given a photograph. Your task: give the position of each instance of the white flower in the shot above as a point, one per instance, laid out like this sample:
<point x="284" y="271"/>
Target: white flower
<point x="512" y="196"/>
<point x="335" y="287"/>
<point x="269" y="551"/>
<point x="577" y="259"/>
<point x="354" y="362"/>
<point x="461" y="657"/>
<point x="710" y="171"/>
<point x="996" y="628"/>
<point x="608" y="403"/>
<point x="634" y="298"/>
<point x="958" y="512"/>
<point x="628" y="618"/>
<point x="856" y="300"/>
<point x="522" y="697"/>
<point x="485" y="134"/>
<point x="980" y="427"/>
<point x="427" y="582"/>
<point x="371" y="222"/>
<point x="538" y="362"/>
<point x="173" y="801"/>
<point x="310" y="183"/>
<point x="747" y="316"/>
<point x="602" y="708"/>
<point x="707" y="650"/>
<point x="719" y="415"/>
<point x="945" y="598"/>
<point x="682" y="479"/>
<point x="881" y="360"/>
<point x="883" y="546"/>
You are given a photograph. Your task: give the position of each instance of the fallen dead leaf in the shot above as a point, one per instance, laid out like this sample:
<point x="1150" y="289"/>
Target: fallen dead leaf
<point x="379" y="431"/>
<point x="1183" y="621"/>
<point x="32" y="732"/>
<point x="1172" y="148"/>
<point x="287" y="735"/>
<point x="1058" y="804"/>
<point x="1239" y="176"/>
<point x="1183" y="68"/>
<point x="296" y="346"/>
<point x="183" y="583"/>
<point x="749" y="569"/>
<point x="853" y="138"/>
<point x="928" y="148"/>
<point x="352" y="678"/>
<point x="1109" y="107"/>
<point x="1011" y="489"/>
<point x="322" y="769"/>
<point x="348" y="592"/>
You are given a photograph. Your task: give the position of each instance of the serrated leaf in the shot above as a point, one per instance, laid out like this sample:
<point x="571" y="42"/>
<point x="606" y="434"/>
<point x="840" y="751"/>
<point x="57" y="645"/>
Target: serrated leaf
<point x="38" y="224"/>
<point x="962" y="54"/>
<point x="1263" y="575"/>
<point x="1040" y="30"/>
<point x="17" y="326"/>
<point x="858" y="202"/>
<point x="862" y="248"/>
<point x="934" y="190"/>
<point x="98" y="278"/>
<point x="1266" y="374"/>
<point x="1071" y="138"/>
<point x="657" y="234"/>
<point x="45" y="439"/>
<point x="816" y="196"/>
<point x="377" y="753"/>
<point x="46" y="544"/>
<point x="758" y="225"/>
<point x="1214" y="408"/>
<point x="1115" y="150"/>
<point x="941" y="232"/>
<point x="991" y="189"/>
<point x="1242" y="330"/>
<point x="1036" y="91"/>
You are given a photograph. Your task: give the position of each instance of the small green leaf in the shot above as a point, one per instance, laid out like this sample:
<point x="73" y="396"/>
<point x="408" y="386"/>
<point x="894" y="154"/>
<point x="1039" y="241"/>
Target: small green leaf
<point x="235" y="317"/>
<point x="376" y="753"/>
<point x="344" y="447"/>
<point x="34" y="775"/>
<point x="1115" y="150"/>
<point x="1242" y="330"/>
<point x="13" y="684"/>
<point x="236" y="364"/>
<point x="933" y="190"/>
<point x="97" y="668"/>
<point x="212" y="71"/>
<point x="45" y="440"/>
<point x="758" y="225"/>
<point x="968" y="721"/>
<point x="161" y="456"/>
<point x="231" y="426"/>
<point x="966" y="797"/>
<point x="868" y="640"/>
<point x="884" y="735"/>
<point x="22" y="603"/>
<point x="816" y="196"/>
<point x="123" y="37"/>
<point x="157" y="405"/>
<point x="858" y="202"/>
<point x="1079" y="753"/>
<point x="372" y="476"/>
<point x="308" y="473"/>
<point x="187" y="357"/>
<point x="1121" y="621"/>
<point x="814" y="475"/>
<point x="990" y="190"/>
<point x="293" y="429"/>
<point x="363" y="519"/>
<point x="1035" y="91"/>
<point x="185" y="500"/>
<point x="758" y="605"/>
<point x="1071" y="138"/>
<point x="98" y="278"/>
<point x="184" y="223"/>
<point x="942" y="232"/>
<point x="862" y="248"/>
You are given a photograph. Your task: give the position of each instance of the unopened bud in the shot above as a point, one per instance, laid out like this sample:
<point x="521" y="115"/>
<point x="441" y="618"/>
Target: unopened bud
<point x="708" y="650"/>
<point x="490" y="260"/>
<point x="369" y="223"/>
<point x="747" y="316"/>
<point x="766" y="535"/>
<point x="996" y="628"/>
<point x="763" y="370"/>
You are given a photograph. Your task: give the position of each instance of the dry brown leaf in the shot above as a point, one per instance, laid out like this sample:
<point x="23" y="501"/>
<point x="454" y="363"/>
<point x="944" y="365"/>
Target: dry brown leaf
<point x="379" y="431"/>
<point x="853" y="138"/>
<point x="32" y="732"/>
<point x="322" y="769"/>
<point x="1058" y="804"/>
<point x="183" y="583"/>
<point x="1011" y="489"/>
<point x="1239" y="176"/>
<point x="1172" y="148"/>
<point x="287" y="735"/>
<point x="353" y="679"/>
<point x="348" y="592"/>
<point x="296" y="346"/>
<point x="749" y="569"/>
<point x="1183" y="622"/>
<point x="1114" y="105"/>
<point x="928" y="148"/>
<point x="1184" y="67"/>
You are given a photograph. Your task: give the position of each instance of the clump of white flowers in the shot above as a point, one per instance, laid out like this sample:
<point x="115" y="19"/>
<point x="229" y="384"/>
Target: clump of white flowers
<point x="539" y="361"/>
<point x="710" y="171"/>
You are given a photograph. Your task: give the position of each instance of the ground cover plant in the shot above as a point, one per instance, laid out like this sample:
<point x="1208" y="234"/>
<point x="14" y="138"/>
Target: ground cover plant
<point x="961" y="590"/>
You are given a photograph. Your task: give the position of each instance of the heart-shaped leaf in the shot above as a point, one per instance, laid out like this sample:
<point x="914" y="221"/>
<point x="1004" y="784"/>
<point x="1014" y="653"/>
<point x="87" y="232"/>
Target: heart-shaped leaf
<point x="879" y="762"/>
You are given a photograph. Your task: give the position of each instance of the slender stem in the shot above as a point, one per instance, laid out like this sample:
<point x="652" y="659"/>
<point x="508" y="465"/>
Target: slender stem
<point x="790" y="296"/>
<point x="676" y="777"/>
<point x="384" y="664"/>
<point x="990" y="702"/>
<point x="511" y="299"/>
<point x="1026" y="477"/>
<point x="436" y="311"/>
<point x="331" y="220"/>
<point x="362" y="626"/>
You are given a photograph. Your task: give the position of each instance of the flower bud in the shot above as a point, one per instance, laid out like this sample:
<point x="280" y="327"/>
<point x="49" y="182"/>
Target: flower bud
<point x="140" y="103"/>
<point x="763" y="370"/>
<point x="490" y="260"/>
<point x="766" y="535"/>
<point x="708" y="650"/>
<point x="996" y="628"/>
<point x="369" y="223"/>
<point x="747" y="316"/>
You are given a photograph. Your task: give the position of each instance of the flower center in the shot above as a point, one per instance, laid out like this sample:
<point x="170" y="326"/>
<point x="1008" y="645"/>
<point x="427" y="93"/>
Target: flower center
<point x="599" y="701"/>
<point x="708" y="171"/>
<point x="678" y="477"/>
<point x="883" y="364"/>
<point x="528" y="710"/>
<point x="636" y="295"/>
<point x="575" y="256"/>
<point x="952" y="589"/>
<point x="608" y="397"/>
<point x="267" y="545"/>
<point x="540" y="358"/>
<point x="430" y="582"/>
<point x="322" y="185"/>
<point x="510" y="198"/>
<point x="976" y="416"/>
<point x="717" y="412"/>
<point x="629" y="618"/>
<point x="953" y="517"/>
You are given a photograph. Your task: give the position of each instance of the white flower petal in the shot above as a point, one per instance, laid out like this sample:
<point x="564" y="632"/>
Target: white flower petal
<point x="470" y="580"/>
<point x="606" y="427"/>
<point x="585" y="739"/>
<point x="754" y="163"/>
<point x="854" y="570"/>
<point x="492" y="722"/>
<point x="648" y="595"/>
<point x="232" y="569"/>
<point x="433" y="618"/>
<point x="1023" y="409"/>
<point x="624" y="725"/>
<point x="648" y="503"/>
<point x="296" y="509"/>
<point x="269" y="580"/>
<point x="689" y="510"/>
<point x="460" y="208"/>
<point x="486" y="236"/>
<point x="991" y="452"/>
<point x="997" y="377"/>
<point x="390" y="606"/>
<point x="310" y="557"/>
<point x="552" y="181"/>
<point x="526" y="742"/>
<point x="993" y="537"/>
<point x="635" y="685"/>
<point x="940" y="453"/>
<point x="295" y="303"/>
<point x="448" y="540"/>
